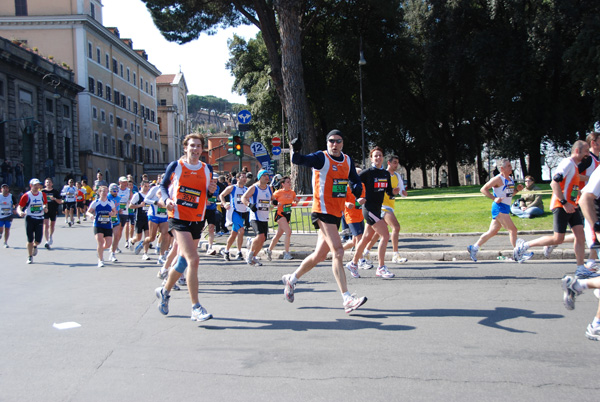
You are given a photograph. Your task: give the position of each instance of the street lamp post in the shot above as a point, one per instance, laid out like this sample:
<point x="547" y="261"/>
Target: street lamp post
<point x="362" y="62"/>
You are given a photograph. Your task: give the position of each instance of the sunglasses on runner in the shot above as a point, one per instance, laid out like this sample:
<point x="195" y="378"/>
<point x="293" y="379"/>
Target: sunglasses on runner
<point x="335" y="141"/>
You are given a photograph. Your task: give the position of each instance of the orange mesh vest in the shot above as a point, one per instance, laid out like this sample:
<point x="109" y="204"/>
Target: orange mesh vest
<point x="329" y="186"/>
<point x="189" y="185"/>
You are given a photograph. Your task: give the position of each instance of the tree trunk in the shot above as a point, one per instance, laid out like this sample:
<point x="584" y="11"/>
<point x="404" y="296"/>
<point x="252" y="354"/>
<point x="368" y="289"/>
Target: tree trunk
<point x="450" y="148"/>
<point x="297" y="110"/>
<point x="424" y="171"/>
<point x="524" y="168"/>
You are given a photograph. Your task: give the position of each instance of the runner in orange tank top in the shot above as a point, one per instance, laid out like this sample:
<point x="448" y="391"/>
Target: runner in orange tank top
<point x="185" y="187"/>
<point x="332" y="170"/>
<point x="283" y="199"/>
<point x="564" y="207"/>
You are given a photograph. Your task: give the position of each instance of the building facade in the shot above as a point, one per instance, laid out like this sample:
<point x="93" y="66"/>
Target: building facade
<point x="172" y="114"/>
<point x="39" y="135"/>
<point x="117" y="113"/>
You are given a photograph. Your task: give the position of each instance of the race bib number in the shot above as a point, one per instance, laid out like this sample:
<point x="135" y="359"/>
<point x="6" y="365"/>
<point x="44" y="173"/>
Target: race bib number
<point x="188" y="197"/>
<point x="263" y="205"/>
<point x="574" y="193"/>
<point x="6" y="211"/>
<point x="510" y="190"/>
<point x="212" y="200"/>
<point x="50" y="197"/>
<point x="146" y="208"/>
<point x="287" y="208"/>
<point x="160" y="210"/>
<point x="357" y="205"/>
<point x="103" y="219"/>
<point x="36" y="208"/>
<point x="338" y="189"/>
<point x="114" y="219"/>
<point x="380" y="184"/>
<point x="122" y="206"/>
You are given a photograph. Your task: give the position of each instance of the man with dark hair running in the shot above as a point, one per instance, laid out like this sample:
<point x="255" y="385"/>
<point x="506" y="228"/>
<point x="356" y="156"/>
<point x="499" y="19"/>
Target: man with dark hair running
<point x="185" y="188"/>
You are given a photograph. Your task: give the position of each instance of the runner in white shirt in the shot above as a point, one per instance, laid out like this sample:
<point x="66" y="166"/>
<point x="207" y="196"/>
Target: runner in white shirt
<point x="69" y="194"/>
<point x="8" y="204"/>
<point x="123" y="210"/>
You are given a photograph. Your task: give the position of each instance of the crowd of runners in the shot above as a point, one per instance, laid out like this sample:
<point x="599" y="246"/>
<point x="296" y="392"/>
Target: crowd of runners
<point x="172" y="212"/>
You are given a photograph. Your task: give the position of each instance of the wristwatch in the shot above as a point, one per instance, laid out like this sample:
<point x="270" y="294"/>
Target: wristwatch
<point x="563" y="201"/>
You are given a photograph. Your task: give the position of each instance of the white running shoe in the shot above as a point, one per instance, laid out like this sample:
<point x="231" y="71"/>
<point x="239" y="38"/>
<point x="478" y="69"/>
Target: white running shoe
<point x="161" y="260"/>
<point x="364" y="264"/>
<point x="269" y="254"/>
<point x="113" y="257"/>
<point x="548" y="251"/>
<point x="211" y="251"/>
<point x="569" y="292"/>
<point x="199" y="313"/>
<point x="353" y="303"/>
<point x="399" y="260"/>
<point x="256" y="262"/>
<point x="50" y="241"/>
<point x="145" y="257"/>
<point x="29" y="260"/>
<point x="289" y="287"/>
<point x="250" y="258"/>
<point x="6" y="245"/>
<point x="353" y="268"/>
<point x="597" y="293"/>
<point x="119" y="251"/>
<point x="287" y="256"/>
<point x="472" y="252"/>
<point x="592" y="266"/>
<point x="100" y="263"/>
<point x="384" y="273"/>
<point x="593" y="333"/>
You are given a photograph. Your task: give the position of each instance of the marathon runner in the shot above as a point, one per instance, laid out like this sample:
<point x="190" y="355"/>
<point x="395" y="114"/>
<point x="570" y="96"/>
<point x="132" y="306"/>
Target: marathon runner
<point x="283" y="199"/>
<point x="54" y="199"/>
<point x="503" y="190"/>
<point x="8" y="204"/>
<point x="331" y="171"/>
<point x="102" y="210"/>
<point x="258" y="200"/>
<point x="377" y="183"/>
<point x="69" y="194"/>
<point x="33" y="205"/>
<point x="184" y="190"/>
<point x="238" y="211"/>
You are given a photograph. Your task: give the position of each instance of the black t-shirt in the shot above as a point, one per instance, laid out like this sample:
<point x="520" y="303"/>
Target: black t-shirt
<point x="377" y="182"/>
<point x="141" y="214"/>
<point x="52" y="195"/>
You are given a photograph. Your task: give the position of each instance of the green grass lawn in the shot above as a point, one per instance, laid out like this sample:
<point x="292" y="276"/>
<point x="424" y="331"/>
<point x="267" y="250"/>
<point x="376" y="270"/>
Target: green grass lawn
<point x="455" y="210"/>
<point x="458" y="214"/>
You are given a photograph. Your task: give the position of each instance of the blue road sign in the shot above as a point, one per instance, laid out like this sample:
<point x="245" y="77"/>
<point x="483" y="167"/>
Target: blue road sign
<point x="244" y="116"/>
<point x="276" y="150"/>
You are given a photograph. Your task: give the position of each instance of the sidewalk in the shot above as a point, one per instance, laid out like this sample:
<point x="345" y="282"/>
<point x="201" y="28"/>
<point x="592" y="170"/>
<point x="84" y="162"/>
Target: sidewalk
<point x="427" y="247"/>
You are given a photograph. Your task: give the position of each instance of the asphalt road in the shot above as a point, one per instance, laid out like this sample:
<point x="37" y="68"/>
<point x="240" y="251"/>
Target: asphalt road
<point x="441" y="330"/>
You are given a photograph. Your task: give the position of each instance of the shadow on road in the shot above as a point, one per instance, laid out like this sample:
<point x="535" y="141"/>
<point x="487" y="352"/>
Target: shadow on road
<point x="491" y="318"/>
<point x="339" y="324"/>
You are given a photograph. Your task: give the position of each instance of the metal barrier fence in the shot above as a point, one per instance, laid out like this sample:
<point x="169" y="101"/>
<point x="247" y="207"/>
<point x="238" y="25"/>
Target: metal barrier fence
<point x="300" y="219"/>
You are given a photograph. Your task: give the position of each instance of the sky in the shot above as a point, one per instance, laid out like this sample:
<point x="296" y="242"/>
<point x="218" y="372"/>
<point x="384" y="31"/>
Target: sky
<point x="201" y="61"/>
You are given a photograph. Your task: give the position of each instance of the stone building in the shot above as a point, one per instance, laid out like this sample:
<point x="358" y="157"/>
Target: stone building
<point x="39" y="134"/>
<point x="117" y="113"/>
